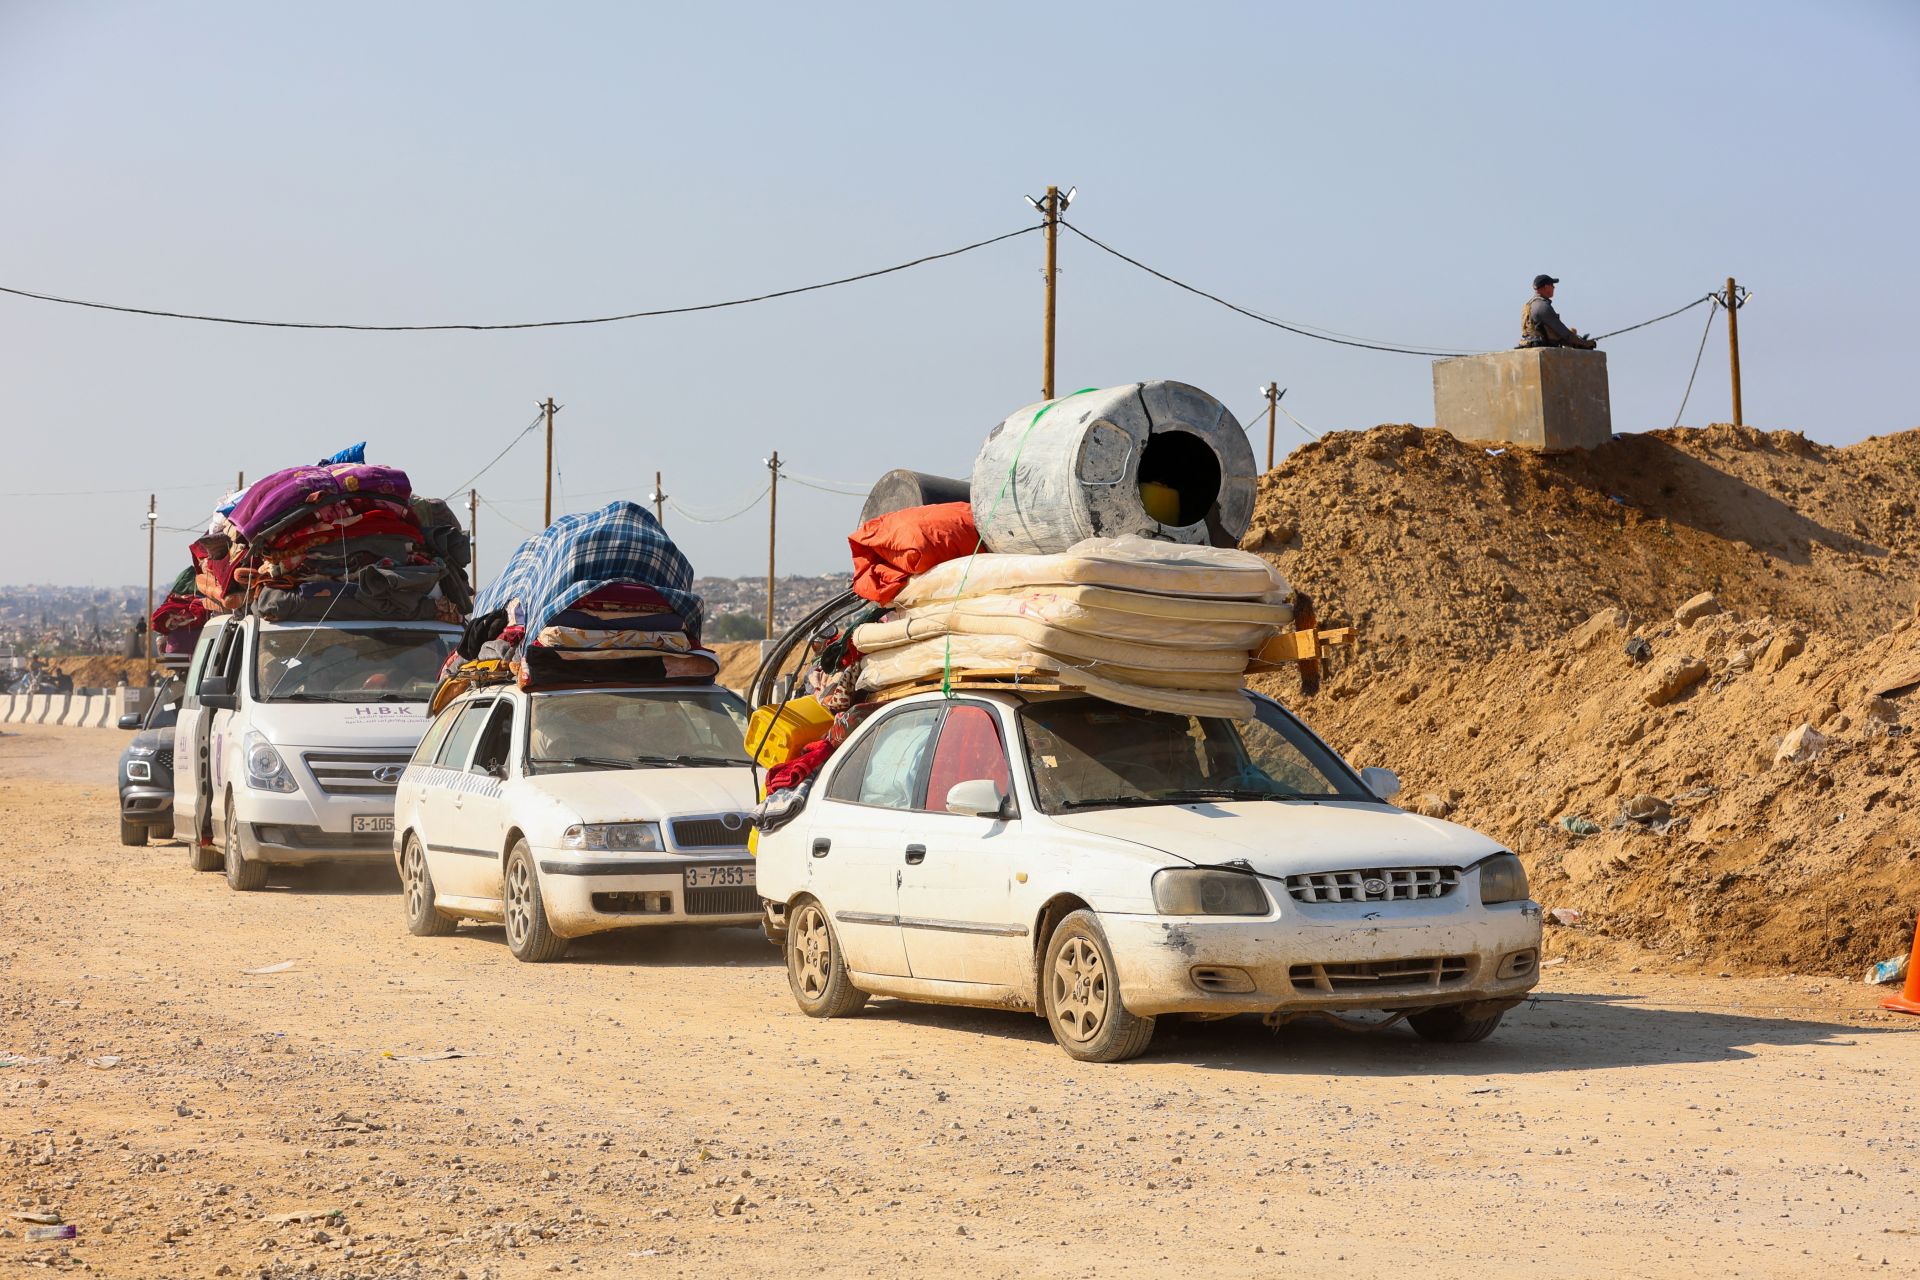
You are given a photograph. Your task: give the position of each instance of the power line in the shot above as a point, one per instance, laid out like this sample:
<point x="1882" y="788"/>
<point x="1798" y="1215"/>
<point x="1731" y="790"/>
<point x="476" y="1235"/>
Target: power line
<point x="538" y="418"/>
<point x="107" y="493"/>
<point x="840" y="487"/>
<point x="698" y="519"/>
<point x="1250" y="314"/>
<point x="531" y="324"/>
<point x="1696" y="357"/>
<point x="509" y="519"/>
<point x="1706" y="297"/>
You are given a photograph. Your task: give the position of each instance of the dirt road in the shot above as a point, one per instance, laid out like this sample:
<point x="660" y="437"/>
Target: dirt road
<point x="656" y="1106"/>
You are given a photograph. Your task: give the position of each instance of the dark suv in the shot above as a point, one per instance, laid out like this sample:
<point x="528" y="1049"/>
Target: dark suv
<point x="146" y="768"/>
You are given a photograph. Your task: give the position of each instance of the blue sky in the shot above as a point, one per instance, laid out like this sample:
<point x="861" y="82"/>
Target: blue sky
<point x="1396" y="171"/>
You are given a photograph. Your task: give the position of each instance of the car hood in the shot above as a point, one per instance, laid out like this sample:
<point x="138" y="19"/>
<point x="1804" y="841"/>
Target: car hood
<point x="1290" y="838"/>
<point x="639" y="795"/>
<point x="341" y="725"/>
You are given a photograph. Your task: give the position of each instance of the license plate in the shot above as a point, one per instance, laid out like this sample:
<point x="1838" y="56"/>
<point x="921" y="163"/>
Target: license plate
<point x="718" y="877"/>
<point x="373" y="822"/>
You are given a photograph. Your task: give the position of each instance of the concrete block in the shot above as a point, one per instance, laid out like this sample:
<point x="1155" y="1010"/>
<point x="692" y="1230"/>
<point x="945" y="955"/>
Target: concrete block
<point x="1547" y="398"/>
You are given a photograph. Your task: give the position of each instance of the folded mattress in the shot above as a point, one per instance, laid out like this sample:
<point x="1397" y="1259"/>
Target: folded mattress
<point x="878" y="638"/>
<point x="1172" y="621"/>
<point x="924" y="660"/>
<point x="1130" y="564"/>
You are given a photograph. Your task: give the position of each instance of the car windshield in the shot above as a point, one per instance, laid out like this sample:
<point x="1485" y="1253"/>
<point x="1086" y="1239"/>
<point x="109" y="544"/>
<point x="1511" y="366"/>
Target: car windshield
<point x="636" y="728"/>
<point x="1085" y="753"/>
<point x="334" y="664"/>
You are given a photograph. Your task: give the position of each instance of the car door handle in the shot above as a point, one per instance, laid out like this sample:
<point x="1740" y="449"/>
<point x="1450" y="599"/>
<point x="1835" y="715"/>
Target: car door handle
<point x="820" y="846"/>
<point x="916" y="854"/>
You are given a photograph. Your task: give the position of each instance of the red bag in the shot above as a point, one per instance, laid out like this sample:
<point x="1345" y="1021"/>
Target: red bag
<point x="890" y="549"/>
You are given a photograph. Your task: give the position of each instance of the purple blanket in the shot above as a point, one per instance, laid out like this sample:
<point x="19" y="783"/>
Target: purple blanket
<point x="272" y="497"/>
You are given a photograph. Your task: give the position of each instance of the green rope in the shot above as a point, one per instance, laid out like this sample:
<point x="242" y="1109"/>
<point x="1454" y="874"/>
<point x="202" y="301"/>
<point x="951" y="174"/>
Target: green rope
<point x="946" y="672"/>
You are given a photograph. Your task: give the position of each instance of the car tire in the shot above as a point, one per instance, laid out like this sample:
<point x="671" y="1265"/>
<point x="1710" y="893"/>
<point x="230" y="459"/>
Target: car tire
<point x="816" y="967"/>
<point x="205" y="857"/>
<point x="1449" y="1025"/>
<point x="1081" y="989"/>
<point x="132" y="832"/>
<point x="243" y="875"/>
<point x="529" y="937"/>
<point x="424" y="920"/>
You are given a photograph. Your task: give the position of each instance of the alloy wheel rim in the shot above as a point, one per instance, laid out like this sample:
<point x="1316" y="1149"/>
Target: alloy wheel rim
<point x="415" y="889"/>
<point x="518" y="907"/>
<point x="1080" y="992"/>
<point x="231" y="852"/>
<point x="811" y="956"/>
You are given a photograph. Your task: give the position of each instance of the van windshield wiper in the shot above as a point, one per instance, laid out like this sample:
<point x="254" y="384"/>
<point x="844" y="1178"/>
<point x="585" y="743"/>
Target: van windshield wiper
<point x="591" y="762"/>
<point x="1112" y="802"/>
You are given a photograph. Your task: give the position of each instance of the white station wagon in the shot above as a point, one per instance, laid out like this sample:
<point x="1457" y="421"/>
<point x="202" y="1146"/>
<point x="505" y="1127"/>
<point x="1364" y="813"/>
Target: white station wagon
<point x="1104" y="866"/>
<point x="575" y="811"/>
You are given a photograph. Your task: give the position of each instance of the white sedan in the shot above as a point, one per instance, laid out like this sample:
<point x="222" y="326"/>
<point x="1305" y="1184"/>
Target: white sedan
<point x="575" y="811"/>
<point x="1103" y="866"/>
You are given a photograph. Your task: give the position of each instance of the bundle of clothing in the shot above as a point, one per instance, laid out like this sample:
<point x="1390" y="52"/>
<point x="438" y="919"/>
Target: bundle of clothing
<point x="179" y="619"/>
<point x="598" y="597"/>
<point x="344" y="540"/>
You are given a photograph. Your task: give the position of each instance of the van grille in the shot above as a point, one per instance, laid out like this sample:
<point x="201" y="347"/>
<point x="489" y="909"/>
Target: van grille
<point x="351" y="773"/>
<point x="1369" y="975"/>
<point x="711" y="833"/>
<point x="726" y="900"/>
<point x="1390" y="884"/>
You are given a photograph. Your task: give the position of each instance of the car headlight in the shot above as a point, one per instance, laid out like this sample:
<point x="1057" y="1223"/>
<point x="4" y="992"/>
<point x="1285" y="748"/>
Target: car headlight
<point x="139" y="771"/>
<point x="266" y="771"/>
<point x="1197" y="891"/>
<point x="1502" y="879"/>
<point x="613" y="837"/>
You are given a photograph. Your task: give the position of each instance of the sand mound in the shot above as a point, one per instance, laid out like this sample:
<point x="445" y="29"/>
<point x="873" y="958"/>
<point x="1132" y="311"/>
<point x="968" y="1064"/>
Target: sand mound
<point x="1498" y="595"/>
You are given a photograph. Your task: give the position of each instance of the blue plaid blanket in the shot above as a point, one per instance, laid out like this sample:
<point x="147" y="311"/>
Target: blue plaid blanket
<point x="579" y="554"/>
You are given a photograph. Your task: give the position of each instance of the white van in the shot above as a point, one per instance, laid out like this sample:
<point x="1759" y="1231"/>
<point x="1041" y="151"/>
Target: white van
<point x="292" y="738"/>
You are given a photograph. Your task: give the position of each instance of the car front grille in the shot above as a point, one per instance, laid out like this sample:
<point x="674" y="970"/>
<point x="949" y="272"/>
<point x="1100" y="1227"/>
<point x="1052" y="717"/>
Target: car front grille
<point x="711" y="832"/>
<point x="726" y="900"/>
<point x="1371" y="975"/>
<point x="1389" y="884"/>
<point x="352" y="773"/>
<point x="163" y="758"/>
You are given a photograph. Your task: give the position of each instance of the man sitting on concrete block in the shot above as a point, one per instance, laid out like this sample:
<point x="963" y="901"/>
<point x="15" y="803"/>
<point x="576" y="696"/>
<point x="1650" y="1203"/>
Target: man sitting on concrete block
<point x="1540" y="324"/>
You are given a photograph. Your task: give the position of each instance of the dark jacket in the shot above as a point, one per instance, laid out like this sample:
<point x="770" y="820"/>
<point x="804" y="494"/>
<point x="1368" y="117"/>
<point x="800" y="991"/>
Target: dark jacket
<point x="1541" y="326"/>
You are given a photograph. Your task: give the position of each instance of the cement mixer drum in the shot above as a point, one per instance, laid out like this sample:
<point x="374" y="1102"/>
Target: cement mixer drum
<point x="1158" y="459"/>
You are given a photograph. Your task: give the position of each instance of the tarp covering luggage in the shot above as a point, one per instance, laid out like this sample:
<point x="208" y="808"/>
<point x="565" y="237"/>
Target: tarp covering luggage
<point x="597" y="597"/>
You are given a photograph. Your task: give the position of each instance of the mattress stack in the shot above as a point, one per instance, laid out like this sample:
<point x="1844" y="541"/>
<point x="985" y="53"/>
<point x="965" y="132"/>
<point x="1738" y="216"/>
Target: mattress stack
<point x="1160" y="625"/>
<point x="598" y="597"/>
<point x="344" y="540"/>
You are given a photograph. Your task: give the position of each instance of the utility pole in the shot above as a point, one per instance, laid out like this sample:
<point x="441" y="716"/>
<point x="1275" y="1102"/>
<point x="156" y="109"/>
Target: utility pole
<point x="1273" y="413"/>
<point x="473" y="539"/>
<point x="773" y="514"/>
<point x="239" y="481"/>
<point x="1733" y="344"/>
<point x="548" y="406"/>
<point x="1051" y="208"/>
<point x="659" y="500"/>
<point x="153" y="520"/>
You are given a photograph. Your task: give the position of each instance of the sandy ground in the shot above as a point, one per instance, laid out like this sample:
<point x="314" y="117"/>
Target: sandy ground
<point x="656" y="1106"/>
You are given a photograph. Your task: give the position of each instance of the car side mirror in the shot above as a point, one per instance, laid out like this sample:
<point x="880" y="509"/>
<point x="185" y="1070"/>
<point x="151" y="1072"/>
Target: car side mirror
<point x="131" y="720"/>
<point x="1384" y="783"/>
<point x="216" y="692"/>
<point x="977" y="798"/>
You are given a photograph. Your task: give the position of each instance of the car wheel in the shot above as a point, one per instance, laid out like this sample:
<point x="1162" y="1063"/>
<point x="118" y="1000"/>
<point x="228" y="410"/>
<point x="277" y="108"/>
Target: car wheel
<point x="132" y="832"/>
<point x="816" y="969"/>
<point x="1449" y="1025"/>
<point x="242" y="875"/>
<point x="529" y="936"/>
<point x="1082" y="991"/>
<point x="424" y="920"/>
<point x="204" y="857"/>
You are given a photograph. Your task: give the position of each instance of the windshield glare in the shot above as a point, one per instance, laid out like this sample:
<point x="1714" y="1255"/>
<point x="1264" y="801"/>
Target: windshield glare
<point x="331" y="664"/>
<point x="1085" y="753"/>
<point x="609" y="728"/>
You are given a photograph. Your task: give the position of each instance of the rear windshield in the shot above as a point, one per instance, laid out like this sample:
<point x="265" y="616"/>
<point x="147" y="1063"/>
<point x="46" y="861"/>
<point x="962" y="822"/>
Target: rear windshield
<point x="636" y="729"/>
<point x="332" y="664"/>
<point x="1085" y="753"/>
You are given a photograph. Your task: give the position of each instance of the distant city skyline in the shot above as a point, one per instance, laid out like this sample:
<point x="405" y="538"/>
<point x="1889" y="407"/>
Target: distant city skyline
<point x="1399" y="172"/>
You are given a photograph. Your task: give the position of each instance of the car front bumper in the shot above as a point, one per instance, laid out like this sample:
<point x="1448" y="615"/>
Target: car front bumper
<point x="591" y="894"/>
<point x="290" y="827"/>
<point x="147" y="805"/>
<point x="1299" y="963"/>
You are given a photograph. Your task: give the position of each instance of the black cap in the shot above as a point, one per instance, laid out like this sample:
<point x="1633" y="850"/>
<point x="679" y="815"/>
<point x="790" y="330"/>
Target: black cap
<point x="1543" y="279"/>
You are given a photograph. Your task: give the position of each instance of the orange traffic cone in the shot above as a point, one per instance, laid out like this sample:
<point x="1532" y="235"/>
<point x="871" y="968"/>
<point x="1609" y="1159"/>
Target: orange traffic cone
<point x="1908" y="1001"/>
